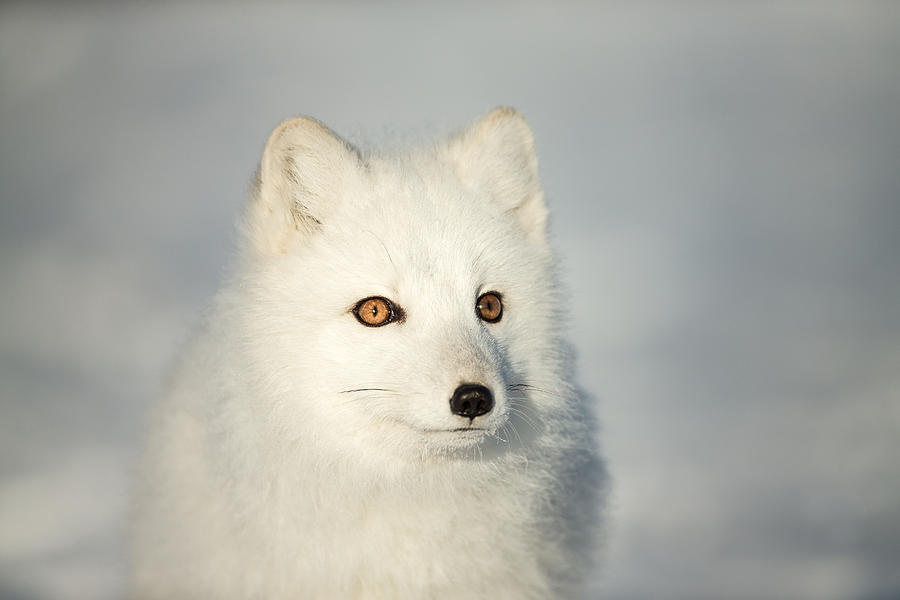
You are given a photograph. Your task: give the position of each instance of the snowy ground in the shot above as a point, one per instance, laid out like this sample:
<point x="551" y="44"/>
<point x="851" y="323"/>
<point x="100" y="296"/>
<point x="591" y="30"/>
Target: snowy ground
<point x="725" y="183"/>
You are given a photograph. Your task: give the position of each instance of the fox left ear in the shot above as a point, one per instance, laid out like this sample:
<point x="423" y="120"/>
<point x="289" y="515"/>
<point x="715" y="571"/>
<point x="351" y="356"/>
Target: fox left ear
<point x="496" y="154"/>
<point x="303" y="175"/>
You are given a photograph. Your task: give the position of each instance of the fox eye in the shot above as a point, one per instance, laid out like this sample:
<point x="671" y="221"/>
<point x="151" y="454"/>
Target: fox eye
<point x="376" y="311"/>
<point x="489" y="307"/>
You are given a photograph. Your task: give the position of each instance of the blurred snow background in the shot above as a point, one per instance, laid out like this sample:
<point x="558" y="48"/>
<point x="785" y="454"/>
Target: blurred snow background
<point x="725" y="183"/>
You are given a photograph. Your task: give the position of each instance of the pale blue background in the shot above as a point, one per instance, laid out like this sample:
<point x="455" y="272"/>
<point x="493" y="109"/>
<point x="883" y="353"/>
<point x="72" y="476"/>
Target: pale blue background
<point x="725" y="187"/>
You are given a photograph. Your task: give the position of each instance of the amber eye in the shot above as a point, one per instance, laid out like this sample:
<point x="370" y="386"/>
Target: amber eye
<point x="489" y="307"/>
<point x="376" y="311"/>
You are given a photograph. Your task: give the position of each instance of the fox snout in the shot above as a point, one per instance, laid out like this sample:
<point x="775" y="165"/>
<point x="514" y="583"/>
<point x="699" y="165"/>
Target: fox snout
<point x="471" y="400"/>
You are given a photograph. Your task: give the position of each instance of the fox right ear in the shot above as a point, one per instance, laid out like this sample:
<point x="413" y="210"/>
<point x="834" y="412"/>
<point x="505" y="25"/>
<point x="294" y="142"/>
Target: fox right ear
<point x="496" y="154"/>
<point x="304" y="171"/>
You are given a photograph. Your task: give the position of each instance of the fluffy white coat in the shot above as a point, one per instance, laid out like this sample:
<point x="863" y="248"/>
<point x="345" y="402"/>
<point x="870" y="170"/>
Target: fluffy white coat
<point x="301" y="454"/>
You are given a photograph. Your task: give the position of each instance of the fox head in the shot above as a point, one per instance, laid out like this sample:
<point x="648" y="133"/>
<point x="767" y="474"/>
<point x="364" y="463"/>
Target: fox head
<point x="403" y="302"/>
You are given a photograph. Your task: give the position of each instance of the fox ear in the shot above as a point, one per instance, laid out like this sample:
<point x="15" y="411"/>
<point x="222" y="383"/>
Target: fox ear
<point x="304" y="171"/>
<point x="496" y="154"/>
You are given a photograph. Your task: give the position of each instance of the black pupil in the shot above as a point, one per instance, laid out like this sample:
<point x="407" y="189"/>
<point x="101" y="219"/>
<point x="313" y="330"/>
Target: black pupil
<point x="489" y="306"/>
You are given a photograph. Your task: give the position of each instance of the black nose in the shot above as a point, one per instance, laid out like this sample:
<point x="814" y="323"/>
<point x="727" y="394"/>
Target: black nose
<point x="471" y="400"/>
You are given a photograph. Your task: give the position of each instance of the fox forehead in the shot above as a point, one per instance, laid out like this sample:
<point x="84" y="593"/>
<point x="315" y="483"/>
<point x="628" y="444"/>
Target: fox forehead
<point x="410" y="261"/>
<point x="420" y="191"/>
<point x="419" y="220"/>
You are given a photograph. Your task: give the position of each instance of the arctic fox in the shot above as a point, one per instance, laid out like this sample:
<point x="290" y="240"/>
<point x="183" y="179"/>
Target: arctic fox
<point x="380" y="404"/>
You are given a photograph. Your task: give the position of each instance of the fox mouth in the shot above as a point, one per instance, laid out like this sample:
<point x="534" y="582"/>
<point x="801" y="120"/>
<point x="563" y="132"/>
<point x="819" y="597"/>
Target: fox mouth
<point x="457" y="430"/>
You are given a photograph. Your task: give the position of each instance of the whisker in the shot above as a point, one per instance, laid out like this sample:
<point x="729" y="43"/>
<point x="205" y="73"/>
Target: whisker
<point x="515" y="432"/>
<point x="525" y="417"/>
<point x="527" y="386"/>
<point x="521" y="409"/>
<point x="376" y="399"/>
<point x="368" y="390"/>
<point x="499" y="434"/>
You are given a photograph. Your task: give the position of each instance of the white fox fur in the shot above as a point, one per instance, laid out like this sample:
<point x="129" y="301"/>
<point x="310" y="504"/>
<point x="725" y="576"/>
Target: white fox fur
<point x="301" y="454"/>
